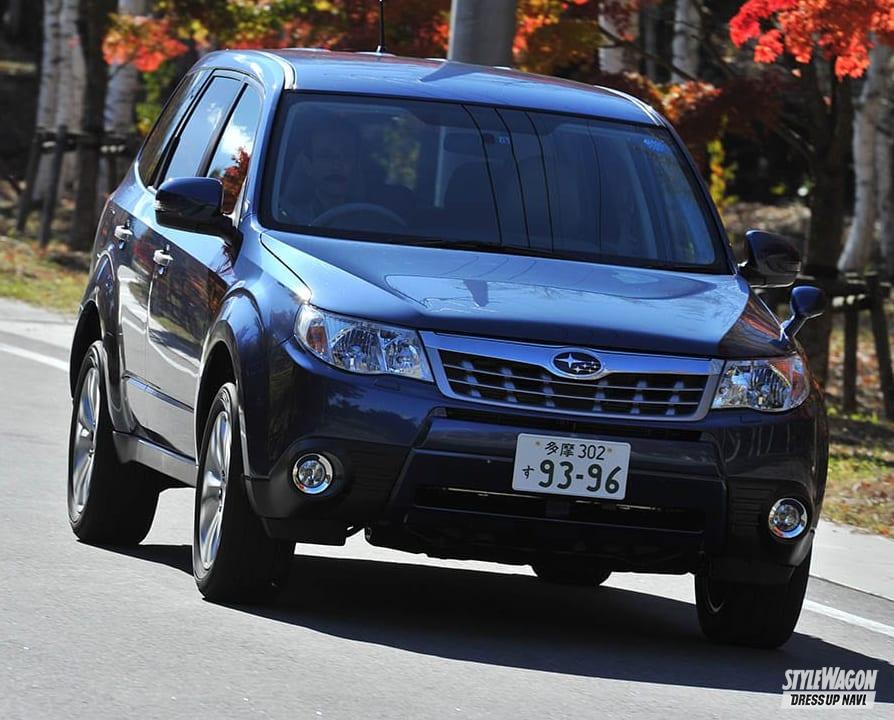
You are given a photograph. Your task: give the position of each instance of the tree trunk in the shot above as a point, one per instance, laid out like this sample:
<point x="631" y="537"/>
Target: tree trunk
<point x="687" y="31"/>
<point x="482" y="31"/>
<point x="649" y="23"/>
<point x="615" y="60"/>
<point x="884" y="170"/>
<point x="830" y="126"/>
<point x="48" y="94"/>
<point x="96" y="18"/>
<point x="72" y="80"/>
<point x="867" y="114"/>
<point x="121" y="99"/>
<point x="124" y="82"/>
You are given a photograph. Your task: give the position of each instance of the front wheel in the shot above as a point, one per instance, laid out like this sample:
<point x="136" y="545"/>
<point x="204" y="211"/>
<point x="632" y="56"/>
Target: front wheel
<point x="233" y="559"/>
<point x="749" y="614"/>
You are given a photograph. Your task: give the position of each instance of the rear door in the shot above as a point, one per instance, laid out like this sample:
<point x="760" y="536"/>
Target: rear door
<point x="195" y="271"/>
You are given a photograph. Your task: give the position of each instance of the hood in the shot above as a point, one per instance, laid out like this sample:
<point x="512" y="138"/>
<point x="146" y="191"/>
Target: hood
<point x="532" y="299"/>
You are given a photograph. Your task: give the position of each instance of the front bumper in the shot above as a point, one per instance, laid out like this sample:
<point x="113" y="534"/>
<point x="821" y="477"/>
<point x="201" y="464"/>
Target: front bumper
<point x="425" y="473"/>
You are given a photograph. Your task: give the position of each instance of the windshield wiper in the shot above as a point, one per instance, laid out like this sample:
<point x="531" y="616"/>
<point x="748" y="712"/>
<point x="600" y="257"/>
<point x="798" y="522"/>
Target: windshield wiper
<point x="483" y="246"/>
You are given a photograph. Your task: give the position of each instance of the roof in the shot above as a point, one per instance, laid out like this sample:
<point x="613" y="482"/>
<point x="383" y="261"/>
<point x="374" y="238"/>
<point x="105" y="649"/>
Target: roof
<point x="371" y="73"/>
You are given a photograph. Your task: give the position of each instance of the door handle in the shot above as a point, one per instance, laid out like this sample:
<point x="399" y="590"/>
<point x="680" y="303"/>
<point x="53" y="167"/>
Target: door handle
<point x="161" y="258"/>
<point x="123" y="233"/>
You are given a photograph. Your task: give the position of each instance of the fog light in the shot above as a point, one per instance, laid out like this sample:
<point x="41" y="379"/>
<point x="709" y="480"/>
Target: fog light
<point x="788" y="518"/>
<point x="312" y="474"/>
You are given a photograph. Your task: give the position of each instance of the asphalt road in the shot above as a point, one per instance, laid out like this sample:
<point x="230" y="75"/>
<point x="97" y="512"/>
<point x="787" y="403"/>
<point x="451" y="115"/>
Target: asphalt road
<point x="90" y="632"/>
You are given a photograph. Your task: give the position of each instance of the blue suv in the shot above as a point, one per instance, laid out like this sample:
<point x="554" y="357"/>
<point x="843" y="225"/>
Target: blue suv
<point x="470" y="312"/>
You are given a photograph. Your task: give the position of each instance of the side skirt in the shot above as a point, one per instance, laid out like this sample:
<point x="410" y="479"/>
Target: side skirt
<point x="135" y="449"/>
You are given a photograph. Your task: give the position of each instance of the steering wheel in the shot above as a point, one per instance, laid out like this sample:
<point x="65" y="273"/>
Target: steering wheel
<point x="326" y="217"/>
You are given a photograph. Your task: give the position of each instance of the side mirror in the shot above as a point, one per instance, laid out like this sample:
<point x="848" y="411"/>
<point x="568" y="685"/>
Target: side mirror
<point x="807" y="302"/>
<point x="192" y="204"/>
<point x="772" y="260"/>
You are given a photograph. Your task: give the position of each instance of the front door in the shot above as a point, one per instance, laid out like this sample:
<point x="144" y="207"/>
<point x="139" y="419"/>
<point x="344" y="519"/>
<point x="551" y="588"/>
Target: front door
<point x="127" y="211"/>
<point x="193" y="271"/>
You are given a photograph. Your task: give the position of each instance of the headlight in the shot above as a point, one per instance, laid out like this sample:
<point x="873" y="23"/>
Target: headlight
<point x="770" y="385"/>
<point x="361" y="346"/>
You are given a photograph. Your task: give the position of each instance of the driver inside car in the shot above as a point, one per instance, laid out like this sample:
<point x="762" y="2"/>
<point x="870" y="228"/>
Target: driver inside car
<point x="326" y="175"/>
<point x="335" y="183"/>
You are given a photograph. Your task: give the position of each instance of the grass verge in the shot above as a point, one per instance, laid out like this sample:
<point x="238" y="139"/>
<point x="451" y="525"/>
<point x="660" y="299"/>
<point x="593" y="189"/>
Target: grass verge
<point x="38" y="277"/>
<point x="860" y="489"/>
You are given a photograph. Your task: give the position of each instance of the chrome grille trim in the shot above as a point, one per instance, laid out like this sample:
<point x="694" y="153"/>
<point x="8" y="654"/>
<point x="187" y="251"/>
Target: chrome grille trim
<point x="630" y="386"/>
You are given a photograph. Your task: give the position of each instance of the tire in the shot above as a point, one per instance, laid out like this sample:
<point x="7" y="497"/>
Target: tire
<point x="234" y="560"/>
<point x="762" y="616"/>
<point x="108" y="502"/>
<point x="569" y="572"/>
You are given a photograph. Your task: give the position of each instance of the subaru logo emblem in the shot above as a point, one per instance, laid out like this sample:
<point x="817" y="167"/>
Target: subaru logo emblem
<point x="577" y="363"/>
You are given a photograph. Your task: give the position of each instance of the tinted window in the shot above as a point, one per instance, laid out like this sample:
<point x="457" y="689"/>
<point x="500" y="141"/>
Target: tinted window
<point x="201" y="128"/>
<point x="167" y="124"/>
<point x="231" y="158"/>
<point x="421" y="172"/>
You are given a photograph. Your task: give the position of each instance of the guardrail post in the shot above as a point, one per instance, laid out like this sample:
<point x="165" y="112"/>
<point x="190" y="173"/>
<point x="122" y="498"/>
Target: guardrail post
<point x="34" y="155"/>
<point x="882" y="342"/>
<point x="851" y="330"/>
<point x="49" y="201"/>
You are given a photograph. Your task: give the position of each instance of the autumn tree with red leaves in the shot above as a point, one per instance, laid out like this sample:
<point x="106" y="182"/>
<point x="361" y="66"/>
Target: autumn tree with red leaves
<point x="840" y="32"/>
<point x="822" y="45"/>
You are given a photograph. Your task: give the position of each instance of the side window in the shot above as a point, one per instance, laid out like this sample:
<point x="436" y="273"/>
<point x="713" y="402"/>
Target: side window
<point x="233" y="154"/>
<point x="167" y="123"/>
<point x="201" y="128"/>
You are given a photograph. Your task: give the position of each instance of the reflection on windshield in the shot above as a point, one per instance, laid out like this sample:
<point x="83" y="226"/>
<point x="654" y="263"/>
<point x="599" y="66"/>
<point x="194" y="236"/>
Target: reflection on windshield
<point x="468" y="176"/>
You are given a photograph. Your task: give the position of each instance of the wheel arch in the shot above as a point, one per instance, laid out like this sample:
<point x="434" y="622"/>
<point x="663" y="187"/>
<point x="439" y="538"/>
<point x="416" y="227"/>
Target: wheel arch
<point x="234" y="351"/>
<point x="98" y="320"/>
<point x="87" y="331"/>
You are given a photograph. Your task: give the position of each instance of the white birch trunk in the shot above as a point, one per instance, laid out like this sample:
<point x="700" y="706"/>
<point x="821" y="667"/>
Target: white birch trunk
<point x="50" y="65"/>
<point x="72" y="79"/>
<point x="121" y="98"/>
<point x="48" y="93"/>
<point x="867" y="114"/>
<point x="124" y="82"/>
<point x="687" y="31"/>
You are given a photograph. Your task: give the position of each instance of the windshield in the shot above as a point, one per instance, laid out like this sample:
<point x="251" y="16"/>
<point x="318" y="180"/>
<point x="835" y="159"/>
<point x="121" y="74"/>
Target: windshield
<point x="421" y="172"/>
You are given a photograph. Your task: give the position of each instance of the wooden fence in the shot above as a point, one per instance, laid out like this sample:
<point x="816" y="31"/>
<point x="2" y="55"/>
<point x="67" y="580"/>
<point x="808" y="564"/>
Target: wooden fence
<point x="852" y="295"/>
<point x="57" y="143"/>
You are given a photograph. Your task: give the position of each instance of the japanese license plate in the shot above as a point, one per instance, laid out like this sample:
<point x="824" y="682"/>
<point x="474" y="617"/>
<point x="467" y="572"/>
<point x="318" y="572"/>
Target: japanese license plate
<point x="571" y="466"/>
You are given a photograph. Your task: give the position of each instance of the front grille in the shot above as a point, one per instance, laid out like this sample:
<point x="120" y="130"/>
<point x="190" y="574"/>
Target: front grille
<point x="512" y="382"/>
<point x="558" y="425"/>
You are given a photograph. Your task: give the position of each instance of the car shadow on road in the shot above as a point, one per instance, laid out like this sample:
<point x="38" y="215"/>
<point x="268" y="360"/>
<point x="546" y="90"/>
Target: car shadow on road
<point x="517" y="621"/>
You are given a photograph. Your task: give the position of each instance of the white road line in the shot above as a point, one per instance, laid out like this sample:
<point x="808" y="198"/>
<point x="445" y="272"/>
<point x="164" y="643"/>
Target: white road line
<point x="849" y="618"/>
<point x="36" y="357"/>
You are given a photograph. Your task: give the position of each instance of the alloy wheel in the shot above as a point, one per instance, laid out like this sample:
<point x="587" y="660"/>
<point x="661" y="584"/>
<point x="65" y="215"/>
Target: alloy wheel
<point x="214" y="488"/>
<point x="84" y="432"/>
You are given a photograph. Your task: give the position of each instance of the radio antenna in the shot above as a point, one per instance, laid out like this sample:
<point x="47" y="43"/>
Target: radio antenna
<point x="381" y="48"/>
